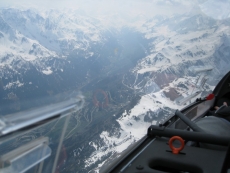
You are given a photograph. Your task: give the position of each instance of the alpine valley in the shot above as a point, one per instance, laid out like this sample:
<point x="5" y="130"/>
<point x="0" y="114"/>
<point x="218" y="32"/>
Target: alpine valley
<point x="130" y="73"/>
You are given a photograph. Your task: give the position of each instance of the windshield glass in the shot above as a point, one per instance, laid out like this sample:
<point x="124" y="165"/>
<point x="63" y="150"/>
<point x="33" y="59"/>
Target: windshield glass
<point x="133" y="63"/>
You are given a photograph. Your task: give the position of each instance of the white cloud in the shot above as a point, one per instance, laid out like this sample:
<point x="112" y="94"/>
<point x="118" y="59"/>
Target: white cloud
<point x="217" y="9"/>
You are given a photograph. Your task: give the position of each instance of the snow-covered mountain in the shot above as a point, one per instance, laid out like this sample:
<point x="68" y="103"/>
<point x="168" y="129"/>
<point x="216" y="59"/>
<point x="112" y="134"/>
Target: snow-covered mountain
<point x="31" y="35"/>
<point x="136" y="69"/>
<point x="55" y="30"/>
<point x="183" y="40"/>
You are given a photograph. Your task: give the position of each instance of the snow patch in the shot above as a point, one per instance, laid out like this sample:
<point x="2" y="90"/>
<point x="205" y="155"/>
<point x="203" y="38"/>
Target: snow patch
<point x="47" y="71"/>
<point x="13" y="85"/>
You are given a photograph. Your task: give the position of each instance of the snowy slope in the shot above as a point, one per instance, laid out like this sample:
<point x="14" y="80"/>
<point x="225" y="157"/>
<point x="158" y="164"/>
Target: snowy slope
<point x="37" y="36"/>
<point x="173" y="47"/>
<point x="57" y="31"/>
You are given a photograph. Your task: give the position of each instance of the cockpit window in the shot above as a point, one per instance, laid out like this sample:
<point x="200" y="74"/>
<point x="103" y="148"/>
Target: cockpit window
<point x="121" y="65"/>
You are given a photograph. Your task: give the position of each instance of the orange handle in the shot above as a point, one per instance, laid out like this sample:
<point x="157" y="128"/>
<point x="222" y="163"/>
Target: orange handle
<point x="174" y="149"/>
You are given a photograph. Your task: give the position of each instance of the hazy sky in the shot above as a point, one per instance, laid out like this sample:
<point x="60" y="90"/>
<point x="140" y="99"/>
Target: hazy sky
<point x="115" y="6"/>
<point x="147" y="8"/>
